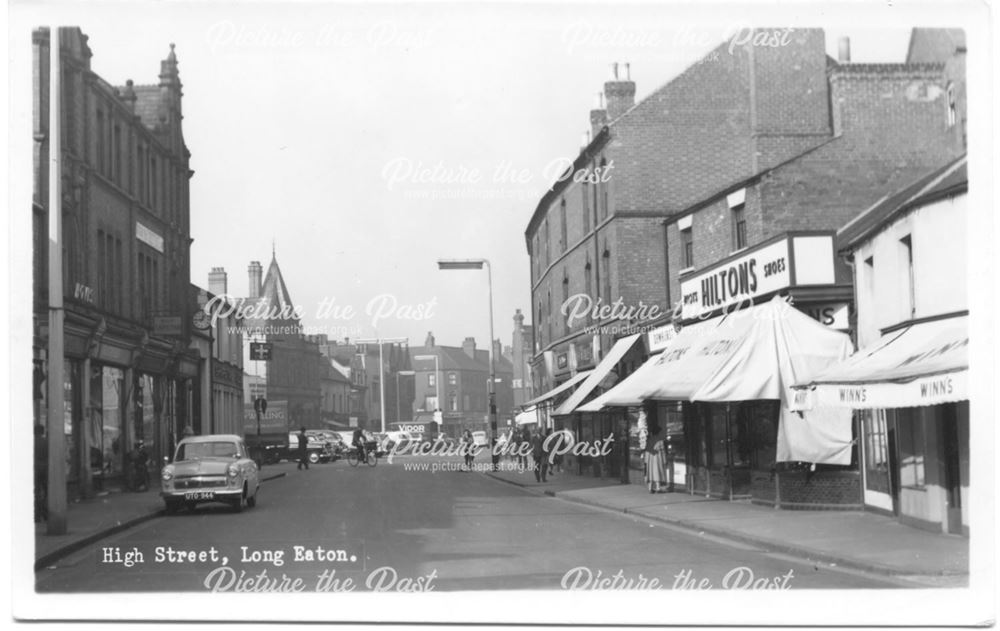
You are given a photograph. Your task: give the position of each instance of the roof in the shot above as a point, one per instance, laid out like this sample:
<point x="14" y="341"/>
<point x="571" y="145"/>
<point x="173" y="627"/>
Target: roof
<point x="208" y="438"/>
<point x="950" y="179"/>
<point x="455" y="358"/>
<point x="274" y="302"/>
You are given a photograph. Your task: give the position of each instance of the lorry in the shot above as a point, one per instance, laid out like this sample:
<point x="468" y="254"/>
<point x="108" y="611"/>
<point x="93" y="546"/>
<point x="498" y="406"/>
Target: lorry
<point x="268" y="438"/>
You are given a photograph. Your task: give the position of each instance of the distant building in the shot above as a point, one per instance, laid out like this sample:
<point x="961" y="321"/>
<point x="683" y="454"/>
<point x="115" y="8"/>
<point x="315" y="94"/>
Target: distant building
<point x="521" y="353"/>
<point x="227" y="360"/>
<point x="292" y="374"/>
<point x="456" y="383"/>
<point x="366" y="387"/>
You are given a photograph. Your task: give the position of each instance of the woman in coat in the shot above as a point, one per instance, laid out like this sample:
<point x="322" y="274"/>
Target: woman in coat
<point x="655" y="456"/>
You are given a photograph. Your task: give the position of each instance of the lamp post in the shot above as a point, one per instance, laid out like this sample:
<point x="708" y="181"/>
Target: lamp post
<point x="405" y="373"/>
<point x="381" y="370"/>
<point x="469" y="264"/>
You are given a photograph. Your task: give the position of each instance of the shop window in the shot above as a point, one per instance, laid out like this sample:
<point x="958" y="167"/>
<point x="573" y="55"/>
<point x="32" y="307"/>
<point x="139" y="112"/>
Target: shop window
<point x="910" y="430"/>
<point x="876" y="437"/>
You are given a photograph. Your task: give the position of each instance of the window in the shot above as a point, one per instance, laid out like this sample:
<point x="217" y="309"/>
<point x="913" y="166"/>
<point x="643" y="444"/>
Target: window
<point x="565" y="298"/>
<point x="952" y="115"/>
<point x="587" y="284"/>
<point x="563" y="232"/>
<point x="117" y="156"/>
<point x="539" y="317"/>
<point x="739" y="227"/>
<point x="907" y="252"/>
<point x="687" y="249"/>
<point x="606" y="276"/>
<point x="586" y="208"/>
<point x="430" y="404"/>
<point x="910" y="429"/>
<point x="453" y="402"/>
<point x="140" y="167"/>
<point x="452" y="379"/>
<point x="100" y="142"/>
<point x="548" y="316"/>
<point x="547" y="241"/>
<point x="431" y="379"/>
<point x="603" y="186"/>
<point x="154" y="199"/>
<point x="876" y="450"/>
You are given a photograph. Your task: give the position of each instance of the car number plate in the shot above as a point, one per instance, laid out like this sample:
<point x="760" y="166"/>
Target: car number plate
<point x="199" y="495"/>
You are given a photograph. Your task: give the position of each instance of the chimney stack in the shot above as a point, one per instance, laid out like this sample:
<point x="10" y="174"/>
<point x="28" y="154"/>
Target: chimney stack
<point x="598" y="117"/>
<point x="255" y="279"/>
<point x="469" y="346"/>
<point x="844" y="50"/>
<point x="217" y="281"/>
<point x="619" y="92"/>
<point x="518" y="319"/>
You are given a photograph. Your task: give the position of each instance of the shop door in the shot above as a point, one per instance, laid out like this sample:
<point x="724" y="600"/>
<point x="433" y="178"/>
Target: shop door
<point x="741" y="449"/>
<point x="948" y="422"/>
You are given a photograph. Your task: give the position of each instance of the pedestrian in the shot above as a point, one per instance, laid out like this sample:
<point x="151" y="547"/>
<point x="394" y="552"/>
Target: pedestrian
<point x="654" y="456"/>
<point x="540" y="455"/>
<point x="303" y="449"/>
<point x="41" y="474"/>
<point x="525" y="446"/>
<point x="468" y="445"/>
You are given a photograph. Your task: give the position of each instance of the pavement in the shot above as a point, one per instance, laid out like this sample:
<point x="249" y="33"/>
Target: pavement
<point x="852" y="539"/>
<point x="109" y="513"/>
<point x="849" y="539"/>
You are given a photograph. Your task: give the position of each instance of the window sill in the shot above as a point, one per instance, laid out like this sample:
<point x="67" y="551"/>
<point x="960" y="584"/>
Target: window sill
<point x="907" y="487"/>
<point x="686" y="270"/>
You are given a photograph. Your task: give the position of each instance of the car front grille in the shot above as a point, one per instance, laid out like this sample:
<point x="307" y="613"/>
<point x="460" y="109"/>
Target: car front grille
<point x="200" y="482"/>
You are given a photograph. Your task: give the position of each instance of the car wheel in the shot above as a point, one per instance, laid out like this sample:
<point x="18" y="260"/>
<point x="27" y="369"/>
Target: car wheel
<point x="171" y="506"/>
<point x="313" y="458"/>
<point x="252" y="500"/>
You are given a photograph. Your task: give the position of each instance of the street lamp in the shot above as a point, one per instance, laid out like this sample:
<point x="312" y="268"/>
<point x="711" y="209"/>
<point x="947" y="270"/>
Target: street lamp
<point x="381" y="369"/>
<point x="405" y="373"/>
<point x="471" y="264"/>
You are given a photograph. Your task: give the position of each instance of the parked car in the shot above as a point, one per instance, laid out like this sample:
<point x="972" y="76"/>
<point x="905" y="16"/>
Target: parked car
<point x="317" y="449"/>
<point x="332" y="439"/>
<point x="480" y="439"/>
<point x="213" y="468"/>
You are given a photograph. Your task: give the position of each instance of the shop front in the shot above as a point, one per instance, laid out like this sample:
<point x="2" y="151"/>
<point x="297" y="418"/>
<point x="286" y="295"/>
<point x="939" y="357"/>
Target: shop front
<point x="910" y="389"/>
<point x="727" y="380"/>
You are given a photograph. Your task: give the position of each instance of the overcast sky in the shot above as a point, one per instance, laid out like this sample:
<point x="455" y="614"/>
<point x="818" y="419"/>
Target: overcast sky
<point x="308" y="125"/>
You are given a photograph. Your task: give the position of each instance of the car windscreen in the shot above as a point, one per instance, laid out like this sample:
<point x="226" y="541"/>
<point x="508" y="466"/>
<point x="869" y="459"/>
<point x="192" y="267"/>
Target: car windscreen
<point x="194" y="451"/>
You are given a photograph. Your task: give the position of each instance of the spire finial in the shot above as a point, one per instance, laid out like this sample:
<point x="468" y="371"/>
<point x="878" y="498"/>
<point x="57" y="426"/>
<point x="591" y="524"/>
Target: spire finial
<point x="273" y="256"/>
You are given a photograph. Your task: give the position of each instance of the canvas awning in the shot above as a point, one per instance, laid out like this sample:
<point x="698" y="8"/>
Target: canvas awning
<point x="526" y="417"/>
<point x="635" y="388"/>
<point x="554" y="392"/>
<point x="923" y="364"/>
<point x="598" y="375"/>
<point x="753" y="354"/>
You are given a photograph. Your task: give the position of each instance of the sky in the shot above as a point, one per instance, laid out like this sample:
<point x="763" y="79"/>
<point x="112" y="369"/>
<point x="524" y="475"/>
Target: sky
<point x="365" y="142"/>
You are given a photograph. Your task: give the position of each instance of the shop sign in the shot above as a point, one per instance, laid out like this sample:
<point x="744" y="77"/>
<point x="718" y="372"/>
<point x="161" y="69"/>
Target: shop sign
<point x="149" y="237"/>
<point x="412" y="428"/>
<point x="84" y="293"/>
<point x="273" y="421"/>
<point x="831" y="314"/>
<point x="660" y="337"/>
<point x="754" y="274"/>
<point x="226" y="374"/>
<point x="562" y="361"/>
<point x="166" y="325"/>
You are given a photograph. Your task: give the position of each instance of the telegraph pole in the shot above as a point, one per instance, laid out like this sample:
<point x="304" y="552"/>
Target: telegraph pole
<point x="56" y="402"/>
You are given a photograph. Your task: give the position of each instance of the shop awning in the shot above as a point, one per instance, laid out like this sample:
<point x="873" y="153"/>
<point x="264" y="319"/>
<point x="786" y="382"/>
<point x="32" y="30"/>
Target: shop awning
<point x="635" y="388"/>
<point x="526" y="417"/>
<point x="923" y="364"/>
<point x="598" y="375"/>
<point x="554" y="392"/>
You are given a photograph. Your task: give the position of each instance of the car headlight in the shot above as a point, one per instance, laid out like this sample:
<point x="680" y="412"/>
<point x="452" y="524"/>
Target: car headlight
<point x="167" y="474"/>
<point x="233" y="470"/>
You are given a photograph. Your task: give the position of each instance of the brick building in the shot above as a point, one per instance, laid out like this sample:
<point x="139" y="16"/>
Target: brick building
<point x="727" y="187"/>
<point x="226" y="337"/>
<point x="362" y="360"/>
<point x="129" y="373"/>
<point x="520" y="356"/>
<point x="456" y="383"/>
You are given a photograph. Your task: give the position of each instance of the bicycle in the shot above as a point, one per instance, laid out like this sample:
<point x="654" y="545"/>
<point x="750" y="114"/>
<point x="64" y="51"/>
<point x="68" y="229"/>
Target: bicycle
<point x="354" y="458"/>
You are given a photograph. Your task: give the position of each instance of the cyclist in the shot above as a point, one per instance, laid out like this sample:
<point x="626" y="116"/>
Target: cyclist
<point x="359" y="443"/>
